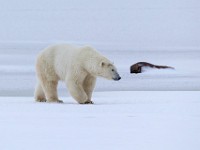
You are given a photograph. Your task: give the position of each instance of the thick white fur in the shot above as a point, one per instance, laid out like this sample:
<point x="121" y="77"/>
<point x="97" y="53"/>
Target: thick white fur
<point x="78" y="67"/>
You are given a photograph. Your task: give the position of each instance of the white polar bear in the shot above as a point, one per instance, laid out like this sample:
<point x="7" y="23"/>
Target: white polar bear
<point x="77" y="66"/>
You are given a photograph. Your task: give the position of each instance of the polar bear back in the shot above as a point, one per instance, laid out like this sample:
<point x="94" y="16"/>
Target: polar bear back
<point x="61" y="58"/>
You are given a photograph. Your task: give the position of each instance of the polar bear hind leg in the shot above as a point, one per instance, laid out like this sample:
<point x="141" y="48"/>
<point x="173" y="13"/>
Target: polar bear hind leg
<point x="50" y="90"/>
<point x="48" y="81"/>
<point x="39" y="93"/>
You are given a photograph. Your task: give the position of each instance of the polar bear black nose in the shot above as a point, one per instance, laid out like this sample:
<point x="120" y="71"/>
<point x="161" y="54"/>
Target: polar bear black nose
<point x="117" y="78"/>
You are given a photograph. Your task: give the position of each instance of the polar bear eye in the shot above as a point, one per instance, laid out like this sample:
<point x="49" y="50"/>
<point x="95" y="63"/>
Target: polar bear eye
<point x="113" y="70"/>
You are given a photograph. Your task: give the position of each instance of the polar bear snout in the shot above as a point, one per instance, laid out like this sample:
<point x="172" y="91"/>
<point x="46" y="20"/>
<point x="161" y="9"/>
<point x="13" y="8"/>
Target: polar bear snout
<point x="116" y="77"/>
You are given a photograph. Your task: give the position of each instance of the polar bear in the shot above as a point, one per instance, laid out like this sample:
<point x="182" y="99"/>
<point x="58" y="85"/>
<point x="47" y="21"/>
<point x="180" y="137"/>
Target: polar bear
<point x="77" y="66"/>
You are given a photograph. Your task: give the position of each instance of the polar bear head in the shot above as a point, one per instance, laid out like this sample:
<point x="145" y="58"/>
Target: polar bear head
<point x="98" y="65"/>
<point x="108" y="70"/>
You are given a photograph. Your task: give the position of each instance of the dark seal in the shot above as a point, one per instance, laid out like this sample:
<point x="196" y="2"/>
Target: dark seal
<point x="137" y="68"/>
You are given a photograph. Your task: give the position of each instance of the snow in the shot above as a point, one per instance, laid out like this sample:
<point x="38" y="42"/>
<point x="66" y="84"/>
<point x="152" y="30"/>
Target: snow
<point x="154" y="110"/>
<point x="117" y="120"/>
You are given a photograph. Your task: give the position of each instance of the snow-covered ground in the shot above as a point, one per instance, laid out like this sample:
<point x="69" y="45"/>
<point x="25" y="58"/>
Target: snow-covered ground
<point x="155" y="110"/>
<point x="117" y="121"/>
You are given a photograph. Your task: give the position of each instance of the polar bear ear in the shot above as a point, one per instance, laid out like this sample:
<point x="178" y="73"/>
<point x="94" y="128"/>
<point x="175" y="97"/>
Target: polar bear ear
<point x="102" y="64"/>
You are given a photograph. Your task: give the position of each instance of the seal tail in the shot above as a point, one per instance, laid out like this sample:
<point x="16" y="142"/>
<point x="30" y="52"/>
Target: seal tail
<point x="162" y="67"/>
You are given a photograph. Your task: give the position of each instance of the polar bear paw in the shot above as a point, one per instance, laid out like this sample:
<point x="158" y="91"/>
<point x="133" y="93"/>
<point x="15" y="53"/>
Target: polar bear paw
<point x="54" y="101"/>
<point x="88" y="102"/>
<point x="41" y="100"/>
<point x="59" y="101"/>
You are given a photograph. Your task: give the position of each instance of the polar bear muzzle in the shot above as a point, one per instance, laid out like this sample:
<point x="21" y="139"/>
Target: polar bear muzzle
<point x="116" y="77"/>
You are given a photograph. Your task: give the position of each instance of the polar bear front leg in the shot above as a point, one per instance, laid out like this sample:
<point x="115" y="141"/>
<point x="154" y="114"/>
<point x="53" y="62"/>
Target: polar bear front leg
<point x="88" y="85"/>
<point x="77" y="92"/>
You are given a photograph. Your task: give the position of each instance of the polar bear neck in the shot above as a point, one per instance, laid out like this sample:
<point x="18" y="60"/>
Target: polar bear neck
<point x="92" y="60"/>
